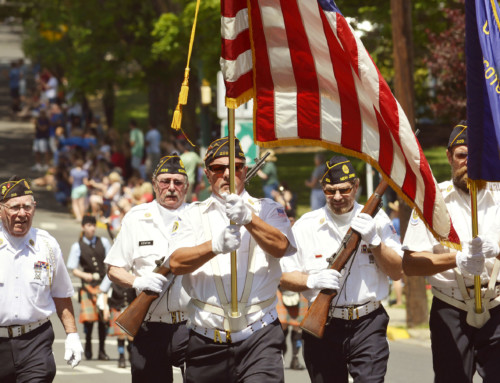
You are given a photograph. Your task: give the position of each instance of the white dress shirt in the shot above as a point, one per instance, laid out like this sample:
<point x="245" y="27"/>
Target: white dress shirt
<point x="32" y="272"/>
<point x="318" y="235"/>
<point x="144" y="238"/>
<point x="418" y="238"/>
<point x="200" y="284"/>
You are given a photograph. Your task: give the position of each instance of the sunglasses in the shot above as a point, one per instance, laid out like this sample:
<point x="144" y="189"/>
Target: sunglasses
<point x="220" y="169"/>
<point x="342" y="191"/>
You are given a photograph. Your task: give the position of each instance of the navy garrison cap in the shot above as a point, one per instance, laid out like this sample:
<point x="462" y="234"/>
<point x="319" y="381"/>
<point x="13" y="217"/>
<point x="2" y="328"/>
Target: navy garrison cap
<point x="339" y="170"/>
<point x="170" y="164"/>
<point x="458" y="135"/>
<point x="220" y="148"/>
<point x="15" y="187"/>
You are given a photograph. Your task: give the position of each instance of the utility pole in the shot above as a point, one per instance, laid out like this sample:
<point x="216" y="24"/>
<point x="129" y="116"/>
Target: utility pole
<point x="402" y="37"/>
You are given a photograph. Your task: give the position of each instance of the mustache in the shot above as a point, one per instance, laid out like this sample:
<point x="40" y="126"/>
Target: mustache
<point x="460" y="173"/>
<point x="171" y="194"/>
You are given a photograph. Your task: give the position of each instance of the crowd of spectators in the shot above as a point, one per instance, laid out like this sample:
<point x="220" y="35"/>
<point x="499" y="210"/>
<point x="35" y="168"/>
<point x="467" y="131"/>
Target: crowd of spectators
<point x="89" y="167"/>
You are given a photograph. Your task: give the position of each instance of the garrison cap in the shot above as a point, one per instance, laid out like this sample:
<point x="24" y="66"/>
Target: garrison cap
<point x="458" y="135"/>
<point x="89" y="219"/>
<point x="220" y="148"/>
<point x="339" y="170"/>
<point x="171" y="165"/>
<point x="15" y="187"/>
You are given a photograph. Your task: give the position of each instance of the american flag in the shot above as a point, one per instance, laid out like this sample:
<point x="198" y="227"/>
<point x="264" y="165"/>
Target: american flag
<point x="315" y="84"/>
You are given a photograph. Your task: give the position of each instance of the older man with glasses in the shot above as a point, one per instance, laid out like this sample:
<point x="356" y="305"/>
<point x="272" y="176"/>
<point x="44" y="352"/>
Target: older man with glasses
<point x="145" y="238"/>
<point x="355" y="339"/>
<point x="222" y="347"/>
<point x="34" y="284"/>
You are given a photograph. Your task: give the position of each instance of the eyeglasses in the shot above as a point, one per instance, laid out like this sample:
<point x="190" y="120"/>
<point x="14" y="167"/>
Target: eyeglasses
<point x="17" y="208"/>
<point x="343" y="191"/>
<point x="220" y="169"/>
<point x="165" y="183"/>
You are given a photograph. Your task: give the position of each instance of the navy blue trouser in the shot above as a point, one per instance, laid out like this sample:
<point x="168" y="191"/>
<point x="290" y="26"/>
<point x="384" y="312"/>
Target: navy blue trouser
<point x="155" y="349"/>
<point x="459" y="349"/>
<point x="28" y="358"/>
<point x="256" y="359"/>
<point x="356" y="347"/>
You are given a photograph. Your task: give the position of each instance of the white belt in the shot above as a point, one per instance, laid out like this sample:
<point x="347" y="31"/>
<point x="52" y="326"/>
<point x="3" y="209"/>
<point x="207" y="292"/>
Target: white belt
<point x="18" y="330"/>
<point x="222" y="336"/>
<point x="454" y="292"/>
<point x="171" y="317"/>
<point x="353" y="312"/>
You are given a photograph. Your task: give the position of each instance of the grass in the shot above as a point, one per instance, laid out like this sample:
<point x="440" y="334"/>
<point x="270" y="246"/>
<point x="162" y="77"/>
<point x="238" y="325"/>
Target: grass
<point x="131" y="103"/>
<point x="293" y="168"/>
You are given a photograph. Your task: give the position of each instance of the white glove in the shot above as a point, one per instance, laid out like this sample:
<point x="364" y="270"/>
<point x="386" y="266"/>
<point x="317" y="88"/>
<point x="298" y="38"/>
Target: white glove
<point x="471" y="263"/>
<point x="324" y="279"/>
<point x="485" y="246"/>
<point x="152" y="281"/>
<point x="236" y="210"/>
<point x="227" y="240"/>
<point x="364" y="224"/>
<point x="73" y="349"/>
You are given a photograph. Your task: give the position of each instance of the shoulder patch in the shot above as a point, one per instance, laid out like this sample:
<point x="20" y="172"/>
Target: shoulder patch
<point x="414" y="218"/>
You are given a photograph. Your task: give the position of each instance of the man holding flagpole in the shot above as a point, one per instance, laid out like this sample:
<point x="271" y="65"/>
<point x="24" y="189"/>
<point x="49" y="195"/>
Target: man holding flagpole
<point x="224" y="347"/>
<point x="463" y="340"/>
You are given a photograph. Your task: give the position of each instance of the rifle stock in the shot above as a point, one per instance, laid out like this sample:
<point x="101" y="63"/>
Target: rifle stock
<point x="315" y="320"/>
<point x="131" y="319"/>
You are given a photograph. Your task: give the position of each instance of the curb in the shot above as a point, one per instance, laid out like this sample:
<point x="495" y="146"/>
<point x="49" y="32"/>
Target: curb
<point x="395" y="333"/>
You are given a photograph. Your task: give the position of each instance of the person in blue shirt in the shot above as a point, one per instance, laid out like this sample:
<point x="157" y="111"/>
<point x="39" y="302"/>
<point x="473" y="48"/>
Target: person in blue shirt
<point x="86" y="260"/>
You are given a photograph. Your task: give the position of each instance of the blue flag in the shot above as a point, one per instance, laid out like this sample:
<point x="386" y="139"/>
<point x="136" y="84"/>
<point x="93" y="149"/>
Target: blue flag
<point x="483" y="89"/>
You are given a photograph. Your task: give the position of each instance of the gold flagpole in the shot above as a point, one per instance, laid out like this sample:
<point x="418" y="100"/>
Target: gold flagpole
<point x="234" y="271"/>
<point x="473" y="208"/>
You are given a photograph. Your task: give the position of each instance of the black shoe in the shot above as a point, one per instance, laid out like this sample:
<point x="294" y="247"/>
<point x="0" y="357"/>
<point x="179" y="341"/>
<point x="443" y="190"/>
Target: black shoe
<point x="103" y="356"/>
<point x="295" y="365"/>
<point x="121" y="361"/>
<point x="88" y="350"/>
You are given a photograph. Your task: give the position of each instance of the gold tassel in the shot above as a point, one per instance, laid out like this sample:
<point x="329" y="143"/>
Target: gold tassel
<point x="183" y="95"/>
<point x="176" y="121"/>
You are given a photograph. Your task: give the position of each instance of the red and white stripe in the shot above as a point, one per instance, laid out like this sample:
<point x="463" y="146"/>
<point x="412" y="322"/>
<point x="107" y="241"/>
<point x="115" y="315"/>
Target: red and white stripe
<point x="316" y="84"/>
<point x="236" y="52"/>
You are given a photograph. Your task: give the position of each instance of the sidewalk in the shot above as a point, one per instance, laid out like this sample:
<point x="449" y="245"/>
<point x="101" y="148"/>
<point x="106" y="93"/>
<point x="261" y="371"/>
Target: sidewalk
<point x="397" y="330"/>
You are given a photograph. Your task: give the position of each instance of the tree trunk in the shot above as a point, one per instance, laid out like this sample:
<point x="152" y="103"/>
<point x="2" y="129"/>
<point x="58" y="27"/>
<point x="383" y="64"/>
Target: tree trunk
<point x="108" y="105"/>
<point x="416" y="298"/>
<point x="159" y="104"/>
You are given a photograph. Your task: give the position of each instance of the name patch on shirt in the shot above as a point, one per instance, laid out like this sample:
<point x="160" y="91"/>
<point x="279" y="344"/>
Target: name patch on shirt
<point x="145" y="243"/>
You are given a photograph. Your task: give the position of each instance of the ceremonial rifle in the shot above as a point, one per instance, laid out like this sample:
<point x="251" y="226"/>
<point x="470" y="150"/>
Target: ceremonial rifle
<point x="316" y="317"/>
<point x="258" y="165"/>
<point x="133" y="316"/>
<point x="131" y="319"/>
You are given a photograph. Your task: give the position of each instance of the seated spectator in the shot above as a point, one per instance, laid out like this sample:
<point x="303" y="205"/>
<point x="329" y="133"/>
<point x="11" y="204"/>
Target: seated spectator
<point x="108" y="193"/>
<point x="143" y="194"/>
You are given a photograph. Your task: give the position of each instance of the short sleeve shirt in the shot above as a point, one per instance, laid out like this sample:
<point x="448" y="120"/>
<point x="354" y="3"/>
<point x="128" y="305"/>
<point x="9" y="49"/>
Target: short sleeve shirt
<point x="143" y="239"/>
<point x="200" y="284"/>
<point x="318" y="235"/>
<point x="31" y="275"/>
<point x="418" y="238"/>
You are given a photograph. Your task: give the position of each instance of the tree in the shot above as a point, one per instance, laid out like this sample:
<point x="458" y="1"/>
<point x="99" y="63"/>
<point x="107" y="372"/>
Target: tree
<point x="110" y="43"/>
<point x="446" y="63"/>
